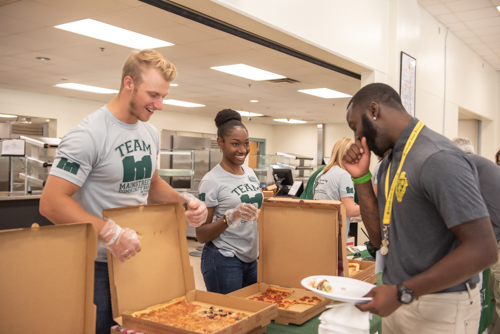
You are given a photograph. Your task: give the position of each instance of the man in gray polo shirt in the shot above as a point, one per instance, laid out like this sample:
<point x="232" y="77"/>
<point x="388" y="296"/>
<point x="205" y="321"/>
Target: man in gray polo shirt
<point x="433" y="227"/>
<point x="489" y="184"/>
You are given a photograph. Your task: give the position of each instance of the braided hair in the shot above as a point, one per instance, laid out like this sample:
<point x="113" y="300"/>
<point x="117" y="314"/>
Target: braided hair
<point x="226" y="120"/>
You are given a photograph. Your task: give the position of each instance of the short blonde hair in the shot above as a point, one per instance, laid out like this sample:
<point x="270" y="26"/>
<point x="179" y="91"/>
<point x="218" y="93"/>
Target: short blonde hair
<point x="339" y="149"/>
<point x="137" y="63"/>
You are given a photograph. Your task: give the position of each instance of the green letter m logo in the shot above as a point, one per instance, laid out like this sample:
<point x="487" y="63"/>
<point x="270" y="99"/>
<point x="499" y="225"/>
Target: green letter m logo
<point x="133" y="171"/>
<point x="71" y="167"/>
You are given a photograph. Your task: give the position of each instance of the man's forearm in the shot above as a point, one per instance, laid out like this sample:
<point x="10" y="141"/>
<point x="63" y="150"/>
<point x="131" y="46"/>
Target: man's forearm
<point x="369" y="211"/>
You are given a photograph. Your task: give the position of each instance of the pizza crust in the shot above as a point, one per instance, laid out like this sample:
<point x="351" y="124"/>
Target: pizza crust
<point x="353" y="269"/>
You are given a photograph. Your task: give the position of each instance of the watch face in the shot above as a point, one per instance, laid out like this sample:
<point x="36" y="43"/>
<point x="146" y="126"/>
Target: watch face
<point x="406" y="298"/>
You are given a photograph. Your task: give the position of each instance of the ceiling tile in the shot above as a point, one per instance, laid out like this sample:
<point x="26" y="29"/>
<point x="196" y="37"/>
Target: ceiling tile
<point x="429" y="2"/>
<point x="466" y="5"/>
<point x="492" y="38"/>
<point x="464" y="33"/>
<point x="13" y="25"/>
<point x="90" y="8"/>
<point x="477" y="14"/>
<point x="448" y="18"/>
<point x="30" y="11"/>
<point x="17" y="62"/>
<point x="6" y="50"/>
<point x="485" y="52"/>
<point x="490" y="57"/>
<point x="484" y="23"/>
<point x="217" y="46"/>
<point x="459" y="26"/>
<point x="140" y="20"/>
<point x="473" y="41"/>
<point x="437" y="10"/>
<point x="487" y="31"/>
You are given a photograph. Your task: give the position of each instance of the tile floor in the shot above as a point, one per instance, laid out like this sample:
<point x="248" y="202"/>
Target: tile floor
<point x="195" y="263"/>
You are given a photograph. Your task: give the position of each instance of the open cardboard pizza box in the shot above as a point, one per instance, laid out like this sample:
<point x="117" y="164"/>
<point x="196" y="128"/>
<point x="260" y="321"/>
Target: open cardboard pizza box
<point x="366" y="271"/>
<point x="118" y="329"/>
<point x="161" y="273"/>
<point x="298" y="239"/>
<point x="47" y="279"/>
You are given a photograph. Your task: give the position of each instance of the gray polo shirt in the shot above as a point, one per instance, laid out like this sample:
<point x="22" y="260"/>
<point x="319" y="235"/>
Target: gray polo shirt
<point x="437" y="190"/>
<point x="489" y="185"/>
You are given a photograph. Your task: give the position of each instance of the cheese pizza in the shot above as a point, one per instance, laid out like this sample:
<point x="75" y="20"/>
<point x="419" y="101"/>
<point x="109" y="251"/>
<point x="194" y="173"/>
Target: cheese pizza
<point x="189" y="316"/>
<point x="281" y="297"/>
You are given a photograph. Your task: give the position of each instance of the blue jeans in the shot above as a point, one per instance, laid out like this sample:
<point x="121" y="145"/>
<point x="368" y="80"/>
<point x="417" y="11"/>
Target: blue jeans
<point x="225" y="274"/>
<point x="102" y="299"/>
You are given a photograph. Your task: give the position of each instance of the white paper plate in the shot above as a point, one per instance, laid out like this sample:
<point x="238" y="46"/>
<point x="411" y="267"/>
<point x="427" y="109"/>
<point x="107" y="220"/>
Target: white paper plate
<point x="345" y="289"/>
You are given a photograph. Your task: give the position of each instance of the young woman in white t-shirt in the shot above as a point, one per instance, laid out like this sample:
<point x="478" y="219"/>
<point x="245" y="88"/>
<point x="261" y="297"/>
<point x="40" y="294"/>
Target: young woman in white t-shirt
<point x="231" y="192"/>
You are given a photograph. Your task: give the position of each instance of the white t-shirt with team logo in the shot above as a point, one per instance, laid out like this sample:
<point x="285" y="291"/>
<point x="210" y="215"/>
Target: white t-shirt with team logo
<point x="223" y="191"/>
<point x="112" y="162"/>
<point x="334" y="185"/>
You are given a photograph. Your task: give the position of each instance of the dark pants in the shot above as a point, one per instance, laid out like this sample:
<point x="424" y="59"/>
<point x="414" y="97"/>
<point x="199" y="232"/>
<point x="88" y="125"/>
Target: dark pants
<point x="102" y="299"/>
<point x="225" y="274"/>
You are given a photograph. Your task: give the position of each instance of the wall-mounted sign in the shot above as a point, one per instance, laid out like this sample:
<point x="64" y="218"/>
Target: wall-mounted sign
<point x="407" y="86"/>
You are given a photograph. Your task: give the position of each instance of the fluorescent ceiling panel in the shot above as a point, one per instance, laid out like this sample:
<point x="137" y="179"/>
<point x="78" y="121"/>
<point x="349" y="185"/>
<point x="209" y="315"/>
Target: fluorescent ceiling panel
<point x="182" y="103"/>
<point x="112" y="34"/>
<point x="86" y="88"/>
<point x="325" y="93"/>
<point x="248" y="72"/>
<point x="287" y="120"/>
<point x="8" y="116"/>
<point x="248" y="113"/>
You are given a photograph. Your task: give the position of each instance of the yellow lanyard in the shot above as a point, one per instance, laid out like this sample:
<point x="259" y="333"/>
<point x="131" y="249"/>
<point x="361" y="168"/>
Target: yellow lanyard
<point x="389" y="196"/>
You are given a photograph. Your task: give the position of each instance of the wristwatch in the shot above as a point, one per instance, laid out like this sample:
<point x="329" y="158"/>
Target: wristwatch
<point x="405" y="295"/>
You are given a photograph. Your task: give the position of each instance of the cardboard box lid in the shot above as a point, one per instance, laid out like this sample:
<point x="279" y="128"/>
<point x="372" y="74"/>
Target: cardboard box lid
<point x="47" y="279"/>
<point x="161" y="271"/>
<point x="299" y="239"/>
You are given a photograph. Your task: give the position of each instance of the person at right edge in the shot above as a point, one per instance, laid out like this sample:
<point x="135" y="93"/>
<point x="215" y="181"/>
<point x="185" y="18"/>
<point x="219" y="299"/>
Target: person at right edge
<point x="429" y="218"/>
<point x="489" y="184"/>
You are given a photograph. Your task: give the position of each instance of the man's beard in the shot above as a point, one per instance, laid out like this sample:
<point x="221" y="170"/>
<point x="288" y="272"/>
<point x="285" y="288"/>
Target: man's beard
<point x="133" y="106"/>
<point x="371" y="134"/>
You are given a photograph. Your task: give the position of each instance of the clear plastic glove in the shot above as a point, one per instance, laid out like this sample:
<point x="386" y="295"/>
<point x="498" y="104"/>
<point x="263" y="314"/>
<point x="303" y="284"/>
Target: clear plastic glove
<point x="123" y="243"/>
<point x="243" y="211"/>
<point x="196" y="211"/>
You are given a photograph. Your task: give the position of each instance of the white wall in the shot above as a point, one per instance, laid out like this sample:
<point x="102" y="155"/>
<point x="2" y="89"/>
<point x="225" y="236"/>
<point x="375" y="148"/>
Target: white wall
<point x="333" y="132"/>
<point x="299" y="139"/>
<point x="468" y="129"/>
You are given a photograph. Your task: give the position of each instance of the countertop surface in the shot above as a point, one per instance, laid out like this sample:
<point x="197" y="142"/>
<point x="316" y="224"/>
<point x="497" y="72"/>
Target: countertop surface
<point x="6" y="196"/>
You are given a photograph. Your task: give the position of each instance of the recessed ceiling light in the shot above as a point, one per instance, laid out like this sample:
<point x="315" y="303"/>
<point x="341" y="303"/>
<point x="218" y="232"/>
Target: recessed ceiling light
<point x="254" y="101"/>
<point x="288" y="120"/>
<point x="182" y="103"/>
<point x="112" y="34"/>
<point x="325" y="93"/>
<point x="248" y="113"/>
<point x="86" y="88"/>
<point x="8" y="116"/>
<point x="47" y="120"/>
<point x="248" y="72"/>
<point x="42" y="58"/>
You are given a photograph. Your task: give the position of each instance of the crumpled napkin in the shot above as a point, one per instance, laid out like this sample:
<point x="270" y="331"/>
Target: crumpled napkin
<point x="344" y="319"/>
